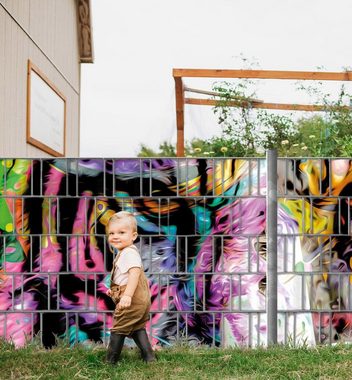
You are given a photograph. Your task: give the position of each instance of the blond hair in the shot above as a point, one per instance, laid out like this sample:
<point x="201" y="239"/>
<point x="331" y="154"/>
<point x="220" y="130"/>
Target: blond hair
<point x="123" y="215"/>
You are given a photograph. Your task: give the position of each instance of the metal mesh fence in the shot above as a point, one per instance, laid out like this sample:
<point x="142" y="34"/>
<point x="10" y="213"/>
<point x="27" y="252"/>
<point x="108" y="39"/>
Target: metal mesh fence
<point x="202" y="227"/>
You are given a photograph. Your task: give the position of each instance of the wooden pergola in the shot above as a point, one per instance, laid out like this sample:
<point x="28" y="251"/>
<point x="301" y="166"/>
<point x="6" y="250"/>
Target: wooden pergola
<point x="181" y="100"/>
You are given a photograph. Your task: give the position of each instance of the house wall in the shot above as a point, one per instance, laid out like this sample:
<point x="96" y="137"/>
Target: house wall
<point x="44" y="32"/>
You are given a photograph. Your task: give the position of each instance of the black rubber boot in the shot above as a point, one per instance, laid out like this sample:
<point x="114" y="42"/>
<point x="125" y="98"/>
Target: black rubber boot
<point x="115" y="347"/>
<point x="141" y="339"/>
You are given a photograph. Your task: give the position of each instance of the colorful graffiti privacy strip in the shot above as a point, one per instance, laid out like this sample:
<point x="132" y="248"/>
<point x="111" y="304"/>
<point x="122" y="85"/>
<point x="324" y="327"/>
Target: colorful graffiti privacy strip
<point x="201" y="225"/>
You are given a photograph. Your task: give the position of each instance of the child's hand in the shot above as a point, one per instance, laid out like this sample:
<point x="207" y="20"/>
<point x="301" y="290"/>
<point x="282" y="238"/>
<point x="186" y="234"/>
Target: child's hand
<point x="125" y="302"/>
<point x="108" y="292"/>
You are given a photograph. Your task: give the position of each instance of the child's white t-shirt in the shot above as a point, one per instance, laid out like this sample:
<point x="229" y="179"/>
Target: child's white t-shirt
<point x="128" y="258"/>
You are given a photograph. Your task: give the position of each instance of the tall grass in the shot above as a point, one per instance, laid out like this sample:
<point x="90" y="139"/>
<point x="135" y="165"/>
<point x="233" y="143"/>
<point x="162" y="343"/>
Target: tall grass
<point x="281" y="362"/>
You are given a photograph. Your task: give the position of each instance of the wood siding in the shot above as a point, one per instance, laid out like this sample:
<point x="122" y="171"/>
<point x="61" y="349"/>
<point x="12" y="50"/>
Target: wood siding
<point x="45" y="32"/>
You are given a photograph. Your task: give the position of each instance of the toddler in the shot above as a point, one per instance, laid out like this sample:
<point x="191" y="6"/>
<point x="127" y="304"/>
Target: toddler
<point x="129" y="289"/>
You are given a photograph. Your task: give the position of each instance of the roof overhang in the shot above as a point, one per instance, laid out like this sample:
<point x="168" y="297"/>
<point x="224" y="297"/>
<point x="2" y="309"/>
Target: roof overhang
<point x="85" y="31"/>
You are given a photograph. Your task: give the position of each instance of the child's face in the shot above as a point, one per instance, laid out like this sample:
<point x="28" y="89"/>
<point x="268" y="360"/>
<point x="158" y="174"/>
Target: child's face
<point x="120" y="234"/>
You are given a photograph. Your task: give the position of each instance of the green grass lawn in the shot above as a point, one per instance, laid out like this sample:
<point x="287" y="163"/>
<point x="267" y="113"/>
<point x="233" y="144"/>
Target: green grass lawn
<point x="180" y="362"/>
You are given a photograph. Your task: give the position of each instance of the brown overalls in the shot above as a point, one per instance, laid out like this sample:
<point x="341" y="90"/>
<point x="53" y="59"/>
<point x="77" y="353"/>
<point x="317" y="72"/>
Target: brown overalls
<point x="135" y="317"/>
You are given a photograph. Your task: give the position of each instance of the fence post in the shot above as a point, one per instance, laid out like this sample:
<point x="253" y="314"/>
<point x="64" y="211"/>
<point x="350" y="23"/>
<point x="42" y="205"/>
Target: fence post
<point x="271" y="239"/>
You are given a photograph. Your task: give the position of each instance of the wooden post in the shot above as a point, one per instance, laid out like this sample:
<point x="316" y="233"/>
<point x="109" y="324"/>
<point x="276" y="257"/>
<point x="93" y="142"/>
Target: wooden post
<point x="180" y="118"/>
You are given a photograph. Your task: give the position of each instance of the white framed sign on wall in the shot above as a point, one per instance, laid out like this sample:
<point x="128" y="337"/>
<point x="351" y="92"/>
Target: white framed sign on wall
<point x="46" y="113"/>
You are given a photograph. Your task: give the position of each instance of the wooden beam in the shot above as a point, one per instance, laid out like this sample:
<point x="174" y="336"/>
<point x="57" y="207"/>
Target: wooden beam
<point x="214" y="93"/>
<point x="269" y="106"/>
<point x="180" y="118"/>
<point x="263" y="74"/>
